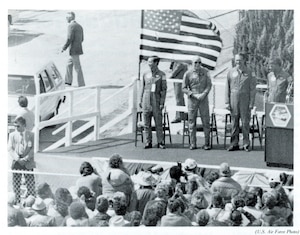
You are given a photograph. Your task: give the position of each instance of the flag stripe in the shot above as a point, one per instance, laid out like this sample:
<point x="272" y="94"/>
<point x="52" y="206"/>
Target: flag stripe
<point x="175" y="51"/>
<point x="181" y="46"/>
<point x="167" y="56"/>
<point x="160" y="36"/>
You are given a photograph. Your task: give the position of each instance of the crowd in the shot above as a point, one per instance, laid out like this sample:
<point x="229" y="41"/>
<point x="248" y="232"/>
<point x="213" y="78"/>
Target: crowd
<point x="190" y="196"/>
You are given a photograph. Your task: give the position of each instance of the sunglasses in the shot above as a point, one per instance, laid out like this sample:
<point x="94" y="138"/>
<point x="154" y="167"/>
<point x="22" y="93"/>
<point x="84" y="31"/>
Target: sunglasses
<point x="197" y="62"/>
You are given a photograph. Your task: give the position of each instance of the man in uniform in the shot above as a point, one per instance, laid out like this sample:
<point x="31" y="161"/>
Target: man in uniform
<point x="20" y="151"/>
<point x="153" y="95"/>
<point x="278" y="82"/>
<point x="197" y="84"/>
<point x="240" y="90"/>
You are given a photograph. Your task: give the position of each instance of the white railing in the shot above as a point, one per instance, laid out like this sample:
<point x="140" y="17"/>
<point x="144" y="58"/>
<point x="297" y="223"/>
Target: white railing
<point x="70" y="115"/>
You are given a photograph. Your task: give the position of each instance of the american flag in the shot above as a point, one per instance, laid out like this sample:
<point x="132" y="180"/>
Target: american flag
<point x="179" y="35"/>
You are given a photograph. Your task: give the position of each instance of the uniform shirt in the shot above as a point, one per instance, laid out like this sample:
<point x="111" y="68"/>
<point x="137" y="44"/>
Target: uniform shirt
<point x="277" y="86"/>
<point x="196" y="82"/>
<point x="240" y="85"/>
<point x="154" y="90"/>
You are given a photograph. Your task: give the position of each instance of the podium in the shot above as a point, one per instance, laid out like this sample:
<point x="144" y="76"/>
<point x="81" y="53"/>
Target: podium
<point x="279" y="135"/>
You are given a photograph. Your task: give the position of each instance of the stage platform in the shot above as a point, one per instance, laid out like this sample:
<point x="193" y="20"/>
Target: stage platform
<point x="125" y="146"/>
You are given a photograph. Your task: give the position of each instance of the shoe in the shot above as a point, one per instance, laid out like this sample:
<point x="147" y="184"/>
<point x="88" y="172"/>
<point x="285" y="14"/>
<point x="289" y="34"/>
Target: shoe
<point x="148" y="146"/>
<point x="161" y="146"/>
<point x="176" y="120"/>
<point x="246" y="148"/>
<point x="233" y="148"/>
<point x="206" y="147"/>
<point x="192" y="147"/>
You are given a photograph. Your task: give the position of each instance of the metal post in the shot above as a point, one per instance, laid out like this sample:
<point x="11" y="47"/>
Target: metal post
<point x="68" y="138"/>
<point x="37" y="124"/>
<point x="97" y="117"/>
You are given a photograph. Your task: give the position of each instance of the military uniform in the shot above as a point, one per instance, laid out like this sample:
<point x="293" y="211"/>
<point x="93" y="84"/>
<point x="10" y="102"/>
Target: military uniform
<point x="240" y="90"/>
<point x="153" y="94"/>
<point x="197" y="83"/>
<point x="277" y="86"/>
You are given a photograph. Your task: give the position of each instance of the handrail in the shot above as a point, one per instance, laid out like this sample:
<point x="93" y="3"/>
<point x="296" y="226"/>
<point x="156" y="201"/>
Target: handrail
<point x="68" y="115"/>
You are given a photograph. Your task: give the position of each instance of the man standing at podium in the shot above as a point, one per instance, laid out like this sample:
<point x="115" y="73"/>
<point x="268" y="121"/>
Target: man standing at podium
<point x="240" y="90"/>
<point x="278" y="82"/>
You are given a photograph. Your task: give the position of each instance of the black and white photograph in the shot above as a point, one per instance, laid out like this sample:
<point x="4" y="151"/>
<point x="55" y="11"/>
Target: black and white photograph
<point x="150" y="116"/>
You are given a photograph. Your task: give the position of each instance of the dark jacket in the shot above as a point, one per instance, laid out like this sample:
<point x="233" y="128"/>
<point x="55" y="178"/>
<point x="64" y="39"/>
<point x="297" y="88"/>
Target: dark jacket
<point x="75" y="39"/>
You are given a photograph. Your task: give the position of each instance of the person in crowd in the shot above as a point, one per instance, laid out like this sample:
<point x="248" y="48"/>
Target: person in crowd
<point x="78" y="216"/>
<point x="87" y="198"/>
<point x="146" y="182"/>
<point x="24" y="112"/>
<point x="152" y="214"/>
<point x="178" y="70"/>
<point x="90" y="178"/>
<point x="20" y="151"/>
<point x="175" y="215"/>
<point x="27" y="208"/>
<point x="250" y="203"/>
<point x="258" y="191"/>
<point x="44" y="192"/>
<point x="202" y="218"/>
<point x="14" y="216"/>
<point x="134" y="218"/>
<point x="236" y="218"/>
<point x="60" y="209"/>
<point x="211" y="177"/>
<point x="196" y="85"/>
<point x="74" y="42"/>
<point x="152" y="101"/>
<point x="277" y="189"/>
<point x="278" y="81"/>
<point x="240" y="90"/>
<point x="216" y="210"/>
<point x="101" y="219"/>
<point x="117" y="179"/>
<point x="225" y="185"/>
<point x="269" y="202"/>
<point x="119" y="204"/>
<point x="191" y="169"/>
<point x="40" y="218"/>
<point x="161" y="192"/>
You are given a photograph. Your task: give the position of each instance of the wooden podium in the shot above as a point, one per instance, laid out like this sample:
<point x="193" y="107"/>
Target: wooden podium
<point x="279" y="138"/>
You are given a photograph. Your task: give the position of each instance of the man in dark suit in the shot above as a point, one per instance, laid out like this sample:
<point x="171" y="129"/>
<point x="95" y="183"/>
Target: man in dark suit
<point x="20" y="151"/>
<point x="74" y="41"/>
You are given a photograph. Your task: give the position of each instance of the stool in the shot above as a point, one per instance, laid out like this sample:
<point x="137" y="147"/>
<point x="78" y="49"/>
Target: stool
<point x="166" y="127"/>
<point x="254" y="128"/>
<point x="228" y="127"/>
<point x="213" y="129"/>
<point x="138" y="128"/>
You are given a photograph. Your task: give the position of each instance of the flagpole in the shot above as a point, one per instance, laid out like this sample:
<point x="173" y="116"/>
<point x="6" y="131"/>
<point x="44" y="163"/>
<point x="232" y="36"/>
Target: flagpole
<point x="136" y="88"/>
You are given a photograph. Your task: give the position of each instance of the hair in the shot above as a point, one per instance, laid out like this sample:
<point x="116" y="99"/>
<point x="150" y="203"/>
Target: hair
<point x="135" y="218"/>
<point x="175" y="204"/>
<point x="236" y="217"/>
<point x="217" y="200"/>
<point x="202" y="217"/>
<point x="63" y="200"/>
<point x="251" y="199"/>
<point x="23" y="101"/>
<point x="86" y="169"/>
<point x="238" y="201"/>
<point x="20" y="120"/>
<point x="156" y="59"/>
<point x="102" y="204"/>
<point x="72" y="14"/>
<point x="269" y="200"/>
<point x="258" y="191"/>
<point x="119" y="208"/>
<point x="44" y="191"/>
<point x="115" y="161"/>
<point x="89" y="198"/>
<point x="151" y="215"/>
<point x="211" y="177"/>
